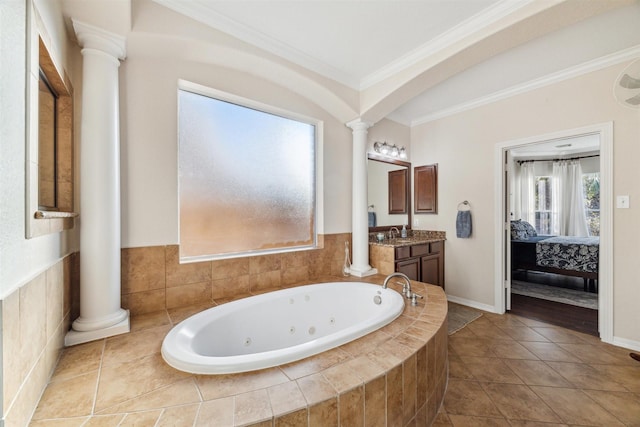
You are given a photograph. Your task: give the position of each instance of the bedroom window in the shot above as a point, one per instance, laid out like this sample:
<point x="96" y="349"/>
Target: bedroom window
<point x="545" y="214"/>
<point x="591" y="186"/>
<point x="247" y="176"/>
<point x="543" y="201"/>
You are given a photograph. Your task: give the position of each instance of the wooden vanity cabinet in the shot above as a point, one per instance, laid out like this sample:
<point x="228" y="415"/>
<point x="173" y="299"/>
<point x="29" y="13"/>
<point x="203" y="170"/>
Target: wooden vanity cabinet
<point x="423" y="262"/>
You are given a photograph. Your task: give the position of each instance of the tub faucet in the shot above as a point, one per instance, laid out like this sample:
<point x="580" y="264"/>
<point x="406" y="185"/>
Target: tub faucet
<point x="406" y="287"/>
<point x="391" y="234"/>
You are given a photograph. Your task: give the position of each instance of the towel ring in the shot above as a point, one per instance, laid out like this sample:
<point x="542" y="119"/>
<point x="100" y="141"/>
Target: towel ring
<point x="465" y="203"/>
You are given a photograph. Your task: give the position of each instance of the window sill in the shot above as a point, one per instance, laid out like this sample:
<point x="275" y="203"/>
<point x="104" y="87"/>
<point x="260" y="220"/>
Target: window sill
<point x="54" y="214"/>
<point x="48" y="222"/>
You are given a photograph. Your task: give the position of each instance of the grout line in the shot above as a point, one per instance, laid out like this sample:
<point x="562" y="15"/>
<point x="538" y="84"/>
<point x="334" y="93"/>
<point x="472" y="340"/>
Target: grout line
<point x="195" y="419"/>
<point x="195" y="383"/>
<point x="160" y="416"/>
<point x="95" y="394"/>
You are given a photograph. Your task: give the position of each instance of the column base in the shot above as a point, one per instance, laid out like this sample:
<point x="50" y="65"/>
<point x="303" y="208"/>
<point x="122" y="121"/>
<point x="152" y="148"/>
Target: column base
<point x="363" y="273"/>
<point x="74" y="337"/>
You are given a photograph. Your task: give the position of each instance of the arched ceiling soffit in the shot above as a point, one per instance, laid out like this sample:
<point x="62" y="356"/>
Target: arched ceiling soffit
<point x="527" y="23"/>
<point x="152" y="45"/>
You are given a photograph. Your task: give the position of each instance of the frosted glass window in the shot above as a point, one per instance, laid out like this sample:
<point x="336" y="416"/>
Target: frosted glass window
<point x="246" y="179"/>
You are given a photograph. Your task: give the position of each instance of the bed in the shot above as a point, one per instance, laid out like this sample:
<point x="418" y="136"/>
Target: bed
<point x="566" y="255"/>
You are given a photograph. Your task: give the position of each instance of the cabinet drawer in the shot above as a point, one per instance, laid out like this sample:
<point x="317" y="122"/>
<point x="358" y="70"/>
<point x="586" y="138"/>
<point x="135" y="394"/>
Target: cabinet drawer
<point x="403" y="252"/>
<point x="419" y="250"/>
<point x="436" y="247"/>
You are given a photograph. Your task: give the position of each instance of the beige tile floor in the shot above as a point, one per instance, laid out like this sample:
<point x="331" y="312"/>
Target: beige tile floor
<point x="504" y="371"/>
<point x="512" y="371"/>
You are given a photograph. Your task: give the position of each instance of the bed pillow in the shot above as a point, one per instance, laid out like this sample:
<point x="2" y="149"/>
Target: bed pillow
<point x="522" y="230"/>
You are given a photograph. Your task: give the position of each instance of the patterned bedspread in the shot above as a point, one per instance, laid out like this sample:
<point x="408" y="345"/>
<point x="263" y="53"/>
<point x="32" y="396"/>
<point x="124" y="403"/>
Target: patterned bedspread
<point x="569" y="253"/>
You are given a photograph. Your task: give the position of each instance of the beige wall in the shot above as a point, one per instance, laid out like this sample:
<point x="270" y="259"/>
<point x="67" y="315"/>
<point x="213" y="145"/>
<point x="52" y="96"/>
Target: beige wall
<point x="463" y="146"/>
<point x="391" y="132"/>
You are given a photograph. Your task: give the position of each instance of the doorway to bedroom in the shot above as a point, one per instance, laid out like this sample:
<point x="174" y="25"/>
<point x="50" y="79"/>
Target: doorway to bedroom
<point x="552" y="196"/>
<point x="555" y="191"/>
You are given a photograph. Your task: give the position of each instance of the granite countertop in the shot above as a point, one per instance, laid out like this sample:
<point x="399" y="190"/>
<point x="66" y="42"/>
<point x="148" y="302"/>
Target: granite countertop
<point x="415" y="238"/>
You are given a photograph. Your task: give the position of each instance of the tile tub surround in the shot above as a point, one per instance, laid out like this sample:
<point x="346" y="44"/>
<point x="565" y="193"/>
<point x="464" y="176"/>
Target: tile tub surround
<point x="152" y="278"/>
<point x="394" y="376"/>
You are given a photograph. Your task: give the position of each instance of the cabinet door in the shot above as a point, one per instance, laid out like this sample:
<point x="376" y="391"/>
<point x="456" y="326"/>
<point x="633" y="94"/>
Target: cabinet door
<point x="410" y="267"/>
<point x="425" y="197"/>
<point x="398" y="193"/>
<point x="432" y="270"/>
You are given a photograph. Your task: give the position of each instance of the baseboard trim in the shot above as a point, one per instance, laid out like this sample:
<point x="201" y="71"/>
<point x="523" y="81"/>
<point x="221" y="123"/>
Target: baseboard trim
<point x="471" y="303"/>
<point x="623" y="342"/>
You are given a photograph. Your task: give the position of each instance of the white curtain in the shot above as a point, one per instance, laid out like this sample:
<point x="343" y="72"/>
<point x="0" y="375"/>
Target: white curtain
<point x="527" y="193"/>
<point x="568" y="199"/>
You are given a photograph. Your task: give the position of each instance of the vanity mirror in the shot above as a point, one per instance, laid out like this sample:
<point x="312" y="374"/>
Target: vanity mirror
<point x="389" y="192"/>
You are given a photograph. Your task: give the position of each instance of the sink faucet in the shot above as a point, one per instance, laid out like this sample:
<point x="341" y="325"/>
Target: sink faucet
<point x="391" y="235"/>
<point x="406" y="287"/>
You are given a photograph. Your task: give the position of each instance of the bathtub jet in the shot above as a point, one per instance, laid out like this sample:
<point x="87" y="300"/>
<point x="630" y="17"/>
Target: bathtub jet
<point x="279" y="327"/>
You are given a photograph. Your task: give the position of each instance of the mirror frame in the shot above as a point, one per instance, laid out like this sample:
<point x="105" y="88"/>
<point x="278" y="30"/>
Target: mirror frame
<point x="379" y="158"/>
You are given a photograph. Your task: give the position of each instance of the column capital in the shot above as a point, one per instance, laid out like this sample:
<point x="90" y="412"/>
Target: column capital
<point x="91" y="37"/>
<point x="359" y="124"/>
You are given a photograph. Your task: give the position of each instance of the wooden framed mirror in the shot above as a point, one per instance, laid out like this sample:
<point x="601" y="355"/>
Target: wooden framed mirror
<point x="389" y="192"/>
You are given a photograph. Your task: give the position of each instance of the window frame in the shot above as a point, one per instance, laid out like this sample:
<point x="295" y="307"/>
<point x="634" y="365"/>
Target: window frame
<point x="552" y="214"/>
<point x="538" y="212"/>
<point x="317" y="227"/>
<point x="587" y="209"/>
<point x="41" y="221"/>
<point x="43" y="81"/>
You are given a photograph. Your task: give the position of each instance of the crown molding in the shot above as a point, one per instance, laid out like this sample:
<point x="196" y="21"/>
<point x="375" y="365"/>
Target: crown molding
<point x="566" y="74"/>
<point x="456" y="34"/>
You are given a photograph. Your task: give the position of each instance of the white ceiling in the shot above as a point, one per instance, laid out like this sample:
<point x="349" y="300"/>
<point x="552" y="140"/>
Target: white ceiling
<point x="346" y="40"/>
<point x="358" y="42"/>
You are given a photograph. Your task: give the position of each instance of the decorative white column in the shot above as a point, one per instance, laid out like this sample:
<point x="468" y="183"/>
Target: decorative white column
<point x="100" y="312"/>
<point x="359" y="218"/>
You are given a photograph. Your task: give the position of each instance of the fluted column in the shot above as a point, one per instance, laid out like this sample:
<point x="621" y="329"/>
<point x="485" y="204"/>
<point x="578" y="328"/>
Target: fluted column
<point x="359" y="219"/>
<point x="101" y="314"/>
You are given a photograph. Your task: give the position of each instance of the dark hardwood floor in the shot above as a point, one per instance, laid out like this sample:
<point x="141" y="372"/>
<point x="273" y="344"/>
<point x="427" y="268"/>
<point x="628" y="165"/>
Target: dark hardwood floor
<point x="565" y="315"/>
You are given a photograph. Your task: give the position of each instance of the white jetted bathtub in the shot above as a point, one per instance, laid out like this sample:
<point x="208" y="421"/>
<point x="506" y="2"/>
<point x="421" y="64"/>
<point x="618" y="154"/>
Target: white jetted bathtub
<point x="279" y="327"/>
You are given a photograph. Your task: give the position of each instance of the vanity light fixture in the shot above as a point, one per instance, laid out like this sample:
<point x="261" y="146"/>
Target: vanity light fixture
<point x="391" y="150"/>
